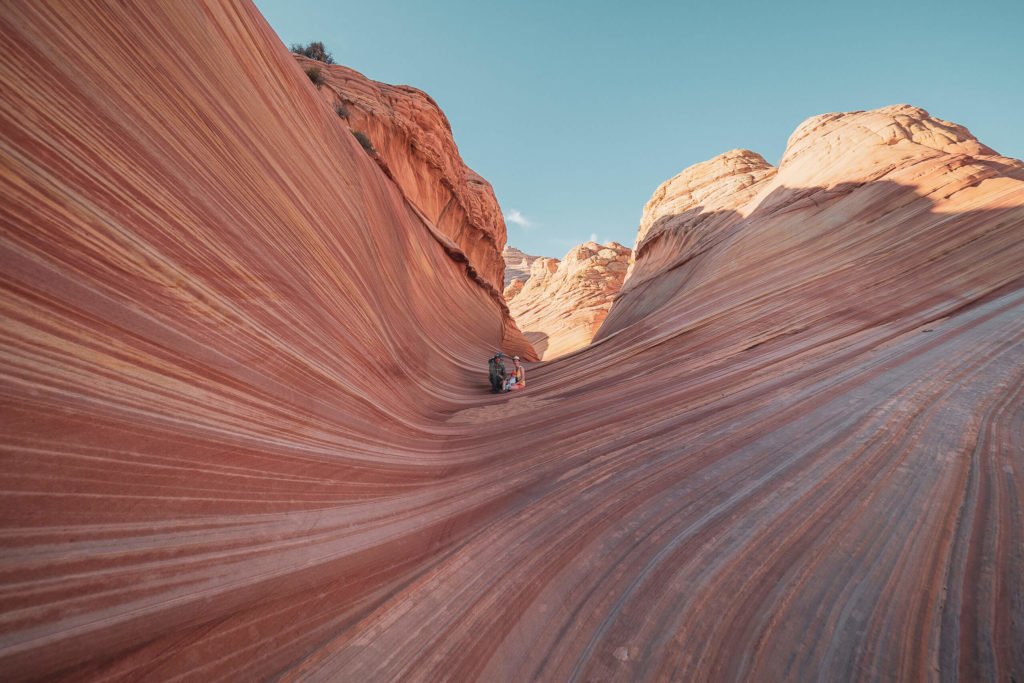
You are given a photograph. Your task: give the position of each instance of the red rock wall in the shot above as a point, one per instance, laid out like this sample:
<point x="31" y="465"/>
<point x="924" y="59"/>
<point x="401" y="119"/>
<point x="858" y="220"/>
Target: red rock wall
<point x="218" y="313"/>
<point x="413" y="142"/>
<point x="239" y="442"/>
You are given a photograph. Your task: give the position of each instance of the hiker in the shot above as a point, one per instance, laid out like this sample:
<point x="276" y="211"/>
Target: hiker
<point x="517" y="380"/>
<point x="492" y="373"/>
<point x="497" y="373"/>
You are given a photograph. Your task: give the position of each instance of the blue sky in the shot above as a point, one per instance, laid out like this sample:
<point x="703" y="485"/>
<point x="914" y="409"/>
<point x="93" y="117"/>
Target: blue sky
<point x="577" y="111"/>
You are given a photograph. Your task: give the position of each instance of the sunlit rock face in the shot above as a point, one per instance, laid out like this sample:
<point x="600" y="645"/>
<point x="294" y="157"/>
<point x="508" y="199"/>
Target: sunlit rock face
<point x="247" y="434"/>
<point x="843" y="177"/>
<point x="561" y="305"/>
<point x="513" y="289"/>
<point x="690" y="212"/>
<point x="412" y="140"/>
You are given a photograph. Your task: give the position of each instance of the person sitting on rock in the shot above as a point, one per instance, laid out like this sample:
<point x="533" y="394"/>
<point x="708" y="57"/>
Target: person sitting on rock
<point x="497" y="372"/>
<point x="492" y="373"/>
<point x="517" y="380"/>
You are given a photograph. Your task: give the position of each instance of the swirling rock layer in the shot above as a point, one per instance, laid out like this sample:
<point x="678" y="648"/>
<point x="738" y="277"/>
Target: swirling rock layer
<point x="563" y="303"/>
<point x="245" y="433"/>
<point x="722" y="221"/>
<point x="688" y="213"/>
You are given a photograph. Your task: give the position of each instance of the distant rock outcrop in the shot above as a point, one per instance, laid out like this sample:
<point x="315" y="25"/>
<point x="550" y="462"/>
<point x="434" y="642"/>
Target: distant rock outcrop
<point x="517" y="265"/>
<point x="563" y="303"/>
<point x="513" y="289"/>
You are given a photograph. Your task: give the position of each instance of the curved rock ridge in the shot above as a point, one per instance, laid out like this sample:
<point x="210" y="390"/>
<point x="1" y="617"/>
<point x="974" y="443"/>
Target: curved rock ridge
<point x="724" y="182"/>
<point x="412" y="140"/>
<point x="828" y="158"/>
<point x="562" y="304"/>
<point x="517" y="265"/>
<point x="246" y="434"/>
<point x="828" y="138"/>
<point x="689" y="211"/>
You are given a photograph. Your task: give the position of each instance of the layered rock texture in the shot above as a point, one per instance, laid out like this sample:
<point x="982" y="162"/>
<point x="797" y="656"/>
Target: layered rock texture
<point x="562" y="304"/>
<point x="517" y="265"/>
<point x="686" y="212"/>
<point x="246" y="433"/>
<point x="840" y="174"/>
<point x="412" y="141"/>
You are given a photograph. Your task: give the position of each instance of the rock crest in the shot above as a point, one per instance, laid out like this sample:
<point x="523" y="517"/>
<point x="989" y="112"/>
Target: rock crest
<point x="839" y="171"/>
<point x="412" y="140"/>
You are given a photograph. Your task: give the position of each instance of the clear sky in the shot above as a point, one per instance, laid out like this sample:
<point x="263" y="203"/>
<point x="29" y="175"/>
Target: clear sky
<point x="577" y="111"/>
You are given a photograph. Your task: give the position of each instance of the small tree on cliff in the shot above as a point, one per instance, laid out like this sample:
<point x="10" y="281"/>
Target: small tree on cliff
<point x="364" y="140"/>
<point x="315" y="50"/>
<point x="315" y="76"/>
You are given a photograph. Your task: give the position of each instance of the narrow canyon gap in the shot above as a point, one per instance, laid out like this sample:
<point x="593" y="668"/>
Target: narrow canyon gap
<point x="793" y="452"/>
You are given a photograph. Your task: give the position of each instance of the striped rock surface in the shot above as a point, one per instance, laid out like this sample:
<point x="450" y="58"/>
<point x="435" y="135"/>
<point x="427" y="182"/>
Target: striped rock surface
<point x="245" y="437"/>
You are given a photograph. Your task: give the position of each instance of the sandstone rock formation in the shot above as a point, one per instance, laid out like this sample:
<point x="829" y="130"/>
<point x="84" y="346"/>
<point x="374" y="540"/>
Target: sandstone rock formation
<point x="513" y="289"/>
<point x="563" y="303"/>
<point x="412" y="140"/>
<point x="517" y="265"/>
<point x="684" y="216"/>
<point x="240" y="442"/>
<point x="696" y="225"/>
